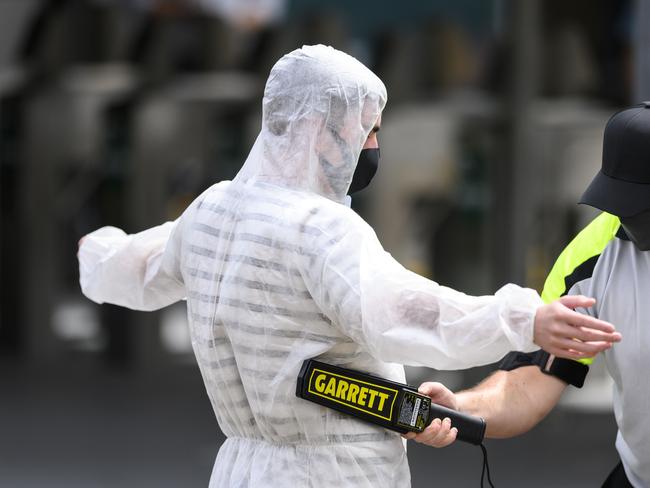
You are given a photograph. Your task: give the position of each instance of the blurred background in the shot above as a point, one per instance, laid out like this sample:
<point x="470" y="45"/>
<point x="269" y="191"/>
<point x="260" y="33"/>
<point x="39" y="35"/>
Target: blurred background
<point x="120" y="112"/>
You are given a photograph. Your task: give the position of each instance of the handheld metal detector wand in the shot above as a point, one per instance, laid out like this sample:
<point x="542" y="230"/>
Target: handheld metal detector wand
<point x="395" y="406"/>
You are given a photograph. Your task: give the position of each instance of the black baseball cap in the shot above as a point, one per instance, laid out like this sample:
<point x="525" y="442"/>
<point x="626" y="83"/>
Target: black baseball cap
<point x="622" y="186"/>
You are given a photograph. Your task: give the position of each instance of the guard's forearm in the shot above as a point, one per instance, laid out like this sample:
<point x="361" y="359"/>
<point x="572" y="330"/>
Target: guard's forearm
<point x="512" y="402"/>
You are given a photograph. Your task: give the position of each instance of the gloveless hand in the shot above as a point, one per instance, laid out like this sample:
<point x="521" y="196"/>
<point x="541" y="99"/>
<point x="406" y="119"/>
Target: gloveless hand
<point x="565" y="333"/>
<point x="440" y="432"/>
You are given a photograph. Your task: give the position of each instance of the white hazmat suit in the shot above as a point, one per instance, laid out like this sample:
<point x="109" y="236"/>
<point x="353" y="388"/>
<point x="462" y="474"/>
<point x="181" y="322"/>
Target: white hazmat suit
<point x="276" y="269"/>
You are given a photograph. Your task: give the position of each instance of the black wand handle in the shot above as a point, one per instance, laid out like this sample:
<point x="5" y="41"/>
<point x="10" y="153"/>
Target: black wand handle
<point x="470" y="428"/>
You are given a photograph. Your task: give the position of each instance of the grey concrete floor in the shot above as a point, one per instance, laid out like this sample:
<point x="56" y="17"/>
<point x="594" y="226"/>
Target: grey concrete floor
<point x="75" y="424"/>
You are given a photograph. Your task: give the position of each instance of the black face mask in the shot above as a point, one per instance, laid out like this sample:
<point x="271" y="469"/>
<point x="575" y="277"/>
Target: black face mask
<point x="365" y="170"/>
<point x="637" y="229"/>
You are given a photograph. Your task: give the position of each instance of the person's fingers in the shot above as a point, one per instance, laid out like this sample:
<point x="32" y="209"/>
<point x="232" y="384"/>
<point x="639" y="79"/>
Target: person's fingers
<point x="436" y="437"/>
<point x="438" y="393"/>
<point x="588" y="348"/>
<point x="581" y="320"/>
<point x="563" y="330"/>
<point x="572" y="335"/>
<point x="439" y="433"/>
<point x="569" y="350"/>
<point x="429" y="388"/>
<point x="591" y="335"/>
<point x="428" y="435"/>
<point x="567" y="353"/>
<point x="443" y="433"/>
<point x="577" y="301"/>
<point x="409" y="435"/>
<point x="431" y="435"/>
<point x="450" y="438"/>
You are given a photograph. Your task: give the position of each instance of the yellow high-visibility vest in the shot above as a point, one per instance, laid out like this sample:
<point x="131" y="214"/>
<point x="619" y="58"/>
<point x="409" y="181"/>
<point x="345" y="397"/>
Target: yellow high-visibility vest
<point x="579" y="257"/>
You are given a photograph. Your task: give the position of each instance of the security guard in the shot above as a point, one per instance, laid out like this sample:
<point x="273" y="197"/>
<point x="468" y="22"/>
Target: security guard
<point x="610" y="261"/>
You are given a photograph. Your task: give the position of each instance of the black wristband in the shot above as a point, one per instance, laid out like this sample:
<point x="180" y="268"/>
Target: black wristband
<point x="514" y="360"/>
<point x="567" y="370"/>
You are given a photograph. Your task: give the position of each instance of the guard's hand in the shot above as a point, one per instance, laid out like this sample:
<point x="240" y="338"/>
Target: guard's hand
<point x="561" y="331"/>
<point x="440" y="432"/>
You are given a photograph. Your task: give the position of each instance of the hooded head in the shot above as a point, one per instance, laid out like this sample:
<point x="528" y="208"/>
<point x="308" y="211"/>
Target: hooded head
<point x="319" y="107"/>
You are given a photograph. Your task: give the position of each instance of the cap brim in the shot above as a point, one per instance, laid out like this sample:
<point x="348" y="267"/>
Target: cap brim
<point x="618" y="197"/>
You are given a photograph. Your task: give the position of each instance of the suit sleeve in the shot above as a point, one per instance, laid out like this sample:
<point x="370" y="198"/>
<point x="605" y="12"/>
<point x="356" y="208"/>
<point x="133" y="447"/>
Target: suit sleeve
<point x="139" y="271"/>
<point x="405" y="318"/>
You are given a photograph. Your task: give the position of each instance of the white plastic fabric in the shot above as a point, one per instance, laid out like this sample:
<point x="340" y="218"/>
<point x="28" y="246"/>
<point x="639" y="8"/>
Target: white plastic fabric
<point x="276" y="269"/>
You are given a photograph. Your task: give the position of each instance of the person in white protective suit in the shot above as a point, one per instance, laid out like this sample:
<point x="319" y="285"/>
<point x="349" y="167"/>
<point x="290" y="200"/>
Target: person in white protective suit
<point x="276" y="269"/>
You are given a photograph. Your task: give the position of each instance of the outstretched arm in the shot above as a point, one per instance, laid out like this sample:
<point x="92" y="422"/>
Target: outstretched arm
<point x="139" y="271"/>
<point x="405" y="318"/>
<point x="511" y="402"/>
